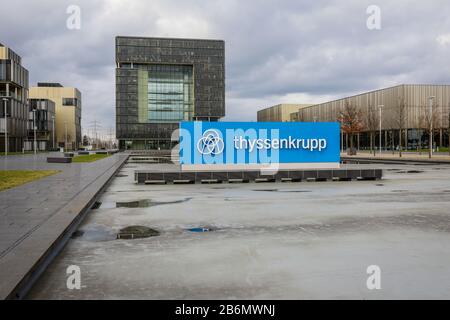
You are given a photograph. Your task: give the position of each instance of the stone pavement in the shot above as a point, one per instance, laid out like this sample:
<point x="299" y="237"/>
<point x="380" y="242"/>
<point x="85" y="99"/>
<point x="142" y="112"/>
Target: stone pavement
<point x="406" y="156"/>
<point x="36" y="215"/>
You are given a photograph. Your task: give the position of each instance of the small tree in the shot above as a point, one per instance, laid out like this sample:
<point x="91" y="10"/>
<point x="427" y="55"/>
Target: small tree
<point x="431" y="117"/>
<point x="372" y="121"/>
<point x="448" y="129"/>
<point x="85" y="140"/>
<point x="351" y="122"/>
<point x="422" y="124"/>
<point x="400" y="119"/>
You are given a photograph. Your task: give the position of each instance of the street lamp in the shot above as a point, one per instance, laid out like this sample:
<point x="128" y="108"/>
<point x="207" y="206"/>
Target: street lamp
<point x="53" y="126"/>
<point x="430" y="153"/>
<point x="379" y="108"/>
<point x="65" y="139"/>
<point x="6" y="127"/>
<point x="34" y="129"/>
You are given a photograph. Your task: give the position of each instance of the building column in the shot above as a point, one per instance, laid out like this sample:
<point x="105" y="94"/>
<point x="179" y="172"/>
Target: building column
<point x="440" y="138"/>
<point x="385" y="140"/>
<point x="406" y="139"/>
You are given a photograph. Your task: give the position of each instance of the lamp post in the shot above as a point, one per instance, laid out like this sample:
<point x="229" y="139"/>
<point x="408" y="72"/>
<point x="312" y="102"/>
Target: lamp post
<point x="34" y="129"/>
<point x="6" y="126"/>
<point x="53" y="133"/>
<point x="430" y="153"/>
<point x="379" y="108"/>
<point x="65" y="139"/>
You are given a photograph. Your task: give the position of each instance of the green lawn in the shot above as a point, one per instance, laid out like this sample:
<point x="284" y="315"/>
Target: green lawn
<point x="13" y="178"/>
<point x="89" y="158"/>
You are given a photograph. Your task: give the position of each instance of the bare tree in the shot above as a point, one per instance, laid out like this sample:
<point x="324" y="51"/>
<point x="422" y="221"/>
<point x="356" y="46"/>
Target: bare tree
<point x="448" y="129"/>
<point x="400" y="121"/>
<point x="351" y="122"/>
<point x="372" y="121"/>
<point x="431" y="122"/>
<point x="421" y="124"/>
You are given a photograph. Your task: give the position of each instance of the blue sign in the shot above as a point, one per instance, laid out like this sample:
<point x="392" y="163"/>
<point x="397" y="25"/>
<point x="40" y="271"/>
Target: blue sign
<point x="259" y="142"/>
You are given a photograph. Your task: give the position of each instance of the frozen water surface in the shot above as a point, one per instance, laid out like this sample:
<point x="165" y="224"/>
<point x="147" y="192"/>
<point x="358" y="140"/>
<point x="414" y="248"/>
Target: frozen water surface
<point x="307" y="240"/>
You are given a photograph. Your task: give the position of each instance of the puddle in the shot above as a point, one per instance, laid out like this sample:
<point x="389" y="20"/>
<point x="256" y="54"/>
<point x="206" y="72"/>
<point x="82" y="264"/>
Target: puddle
<point x="399" y="190"/>
<point x="133" y="204"/>
<point x="144" y="203"/>
<point x="137" y="232"/>
<point x="277" y="190"/>
<point x="410" y="171"/>
<point x="201" y="229"/>
<point x="379" y="185"/>
<point x="77" y="234"/>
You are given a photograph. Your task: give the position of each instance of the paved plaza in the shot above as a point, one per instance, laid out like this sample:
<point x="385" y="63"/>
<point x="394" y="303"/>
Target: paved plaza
<point x="301" y="240"/>
<point x="34" y="215"/>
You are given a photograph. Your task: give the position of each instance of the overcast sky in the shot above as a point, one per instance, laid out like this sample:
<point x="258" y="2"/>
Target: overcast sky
<point x="276" y="51"/>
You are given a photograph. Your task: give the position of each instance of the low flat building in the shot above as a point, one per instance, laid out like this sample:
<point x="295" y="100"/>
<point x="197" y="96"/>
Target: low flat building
<point x="41" y="116"/>
<point x="416" y="98"/>
<point x="67" y="112"/>
<point x="279" y="113"/>
<point x="13" y="95"/>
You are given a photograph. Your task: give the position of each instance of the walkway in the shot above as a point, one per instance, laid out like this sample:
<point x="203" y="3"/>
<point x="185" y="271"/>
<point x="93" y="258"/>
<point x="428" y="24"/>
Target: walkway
<point x="406" y="156"/>
<point x="37" y="216"/>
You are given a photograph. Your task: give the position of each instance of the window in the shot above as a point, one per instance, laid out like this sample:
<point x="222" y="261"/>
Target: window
<point x="70" y="102"/>
<point x="166" y="93"/>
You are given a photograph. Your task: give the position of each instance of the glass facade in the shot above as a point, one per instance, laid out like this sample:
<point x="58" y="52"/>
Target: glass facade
<point x="166" y="93"/>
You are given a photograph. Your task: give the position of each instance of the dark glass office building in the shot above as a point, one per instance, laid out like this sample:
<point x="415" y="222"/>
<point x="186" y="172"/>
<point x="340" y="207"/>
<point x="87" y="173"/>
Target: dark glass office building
<point x="42" y="117"/>
<point x="160" y="82"/>
<point x="13" y="100"/>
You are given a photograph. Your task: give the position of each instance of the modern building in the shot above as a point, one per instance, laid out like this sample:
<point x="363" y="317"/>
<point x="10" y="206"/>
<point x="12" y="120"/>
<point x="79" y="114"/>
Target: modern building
<point x="13" y="96"/>
<point x="41" y="125"/>
<point x="162" y="81"/>
<point x="423" y="105"/>
<point x="67" y="112"/>
<point x="280" y="112"/>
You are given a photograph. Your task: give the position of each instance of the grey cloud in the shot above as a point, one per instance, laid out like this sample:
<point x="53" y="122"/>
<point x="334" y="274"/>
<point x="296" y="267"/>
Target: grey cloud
<point x="273" y="48"/>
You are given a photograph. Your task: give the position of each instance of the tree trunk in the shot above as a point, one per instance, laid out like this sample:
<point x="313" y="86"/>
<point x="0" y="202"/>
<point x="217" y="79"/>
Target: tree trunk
<point x="392" y="142"/>
<point x="372" y="138"/>
<point x="420" y="143"/>
<point x="430" y="143"/>
<point x="351" y="151"/>
<point x="400" y="143"/>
